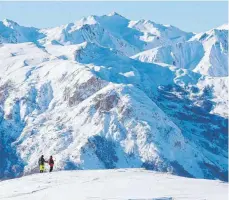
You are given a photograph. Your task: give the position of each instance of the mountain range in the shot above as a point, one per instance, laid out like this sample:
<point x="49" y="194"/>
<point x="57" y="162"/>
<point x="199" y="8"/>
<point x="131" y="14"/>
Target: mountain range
<point x="107" y="92"/>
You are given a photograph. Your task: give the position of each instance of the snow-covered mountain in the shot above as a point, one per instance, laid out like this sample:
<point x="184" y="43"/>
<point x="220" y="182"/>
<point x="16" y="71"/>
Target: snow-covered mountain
<point x="112" y="31"/>
<point x="205" y="53"/>
<point x="75" y="93"/>
<point x="11" y="32"/>
<point x="121" y="184"/>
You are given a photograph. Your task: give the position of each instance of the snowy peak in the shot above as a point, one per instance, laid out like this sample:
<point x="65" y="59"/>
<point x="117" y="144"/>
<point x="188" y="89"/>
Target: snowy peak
<point x="223" y="27"/>
<point x="87" y="20"/>
<point x="9" y="23"/>
<point x="205" y="53"/>
<point x="215" y="33"/>
<point x="103" y="20"/>
<point x="11" y="32"/>
<point x="106" y="30"/>
<point x="215" y="59"/>
<point x="115" y="14"/>
<point x="159" y="29"/>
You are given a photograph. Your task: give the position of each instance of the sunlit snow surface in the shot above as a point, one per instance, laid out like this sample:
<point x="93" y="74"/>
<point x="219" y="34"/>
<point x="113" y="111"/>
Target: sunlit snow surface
<point x="74" y="92"/>
<point x="125" y="184"/>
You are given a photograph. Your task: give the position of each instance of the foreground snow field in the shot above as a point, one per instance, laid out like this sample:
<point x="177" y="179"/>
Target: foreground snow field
<point x="123" y="184"/>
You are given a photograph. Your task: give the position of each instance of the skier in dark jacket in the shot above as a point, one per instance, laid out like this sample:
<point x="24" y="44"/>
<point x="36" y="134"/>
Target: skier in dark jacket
<point x="51" y="163"/>
<point x="41" y="163"/>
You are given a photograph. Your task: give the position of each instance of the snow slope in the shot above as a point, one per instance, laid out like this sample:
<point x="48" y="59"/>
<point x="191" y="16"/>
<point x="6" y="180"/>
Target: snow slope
<point x="75" y="94"/>
<point x="77" y="110"/>
<point x="135" y="184"/>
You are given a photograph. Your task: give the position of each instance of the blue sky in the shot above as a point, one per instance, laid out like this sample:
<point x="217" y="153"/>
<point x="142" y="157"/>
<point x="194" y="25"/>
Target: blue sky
<point x="189" y="16"/>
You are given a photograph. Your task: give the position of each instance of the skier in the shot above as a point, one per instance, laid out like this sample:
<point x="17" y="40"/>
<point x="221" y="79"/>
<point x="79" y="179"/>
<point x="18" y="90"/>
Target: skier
<point x="51" y="163"/>
<point x="41" y="163"/>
